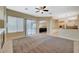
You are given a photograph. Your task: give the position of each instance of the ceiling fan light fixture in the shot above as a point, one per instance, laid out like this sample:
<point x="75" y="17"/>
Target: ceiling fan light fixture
<point x="42" y="9"/>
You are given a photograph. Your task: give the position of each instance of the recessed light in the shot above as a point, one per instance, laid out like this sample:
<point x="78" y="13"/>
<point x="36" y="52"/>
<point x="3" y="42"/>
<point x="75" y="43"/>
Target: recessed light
<point x="50" y="13"/>
<point x="26" y="8"/>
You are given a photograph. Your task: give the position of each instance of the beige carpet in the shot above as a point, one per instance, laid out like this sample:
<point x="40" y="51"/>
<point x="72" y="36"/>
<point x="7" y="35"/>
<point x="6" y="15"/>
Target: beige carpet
<point x="42" y="44"/>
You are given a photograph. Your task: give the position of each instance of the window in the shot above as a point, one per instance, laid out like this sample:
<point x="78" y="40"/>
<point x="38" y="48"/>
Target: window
<point x="20" y="26"/>
<point x="31" y="27"/>
<point x="12" y="25"/>
<point x="15" y="24"/>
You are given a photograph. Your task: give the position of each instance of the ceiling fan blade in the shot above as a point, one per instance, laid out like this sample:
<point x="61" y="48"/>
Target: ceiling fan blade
<point x="44" y="7"/>
<point x="46" y="10"/>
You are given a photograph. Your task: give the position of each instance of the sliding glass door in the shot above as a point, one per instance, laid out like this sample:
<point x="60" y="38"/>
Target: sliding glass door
<point x="31" y="27"/>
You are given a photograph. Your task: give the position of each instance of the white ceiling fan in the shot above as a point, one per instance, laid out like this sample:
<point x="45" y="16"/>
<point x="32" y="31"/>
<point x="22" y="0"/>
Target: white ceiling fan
<point x="42" y="9"/>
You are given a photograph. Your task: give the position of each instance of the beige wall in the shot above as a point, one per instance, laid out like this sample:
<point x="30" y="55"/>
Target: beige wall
<point x="16" y="35"/>
<point x="53" y="25"/>
<point x="2" y="15"/>
<point x="43" y="25"/>
<point x="1" y="23"/>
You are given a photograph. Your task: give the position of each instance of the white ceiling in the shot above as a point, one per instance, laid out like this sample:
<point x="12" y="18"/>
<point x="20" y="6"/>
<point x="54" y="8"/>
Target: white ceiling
<point x="57" y="11"/>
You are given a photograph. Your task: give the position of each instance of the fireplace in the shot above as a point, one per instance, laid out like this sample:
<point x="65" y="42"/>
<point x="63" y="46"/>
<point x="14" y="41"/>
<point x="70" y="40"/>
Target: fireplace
<point x="41" y="30"/>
